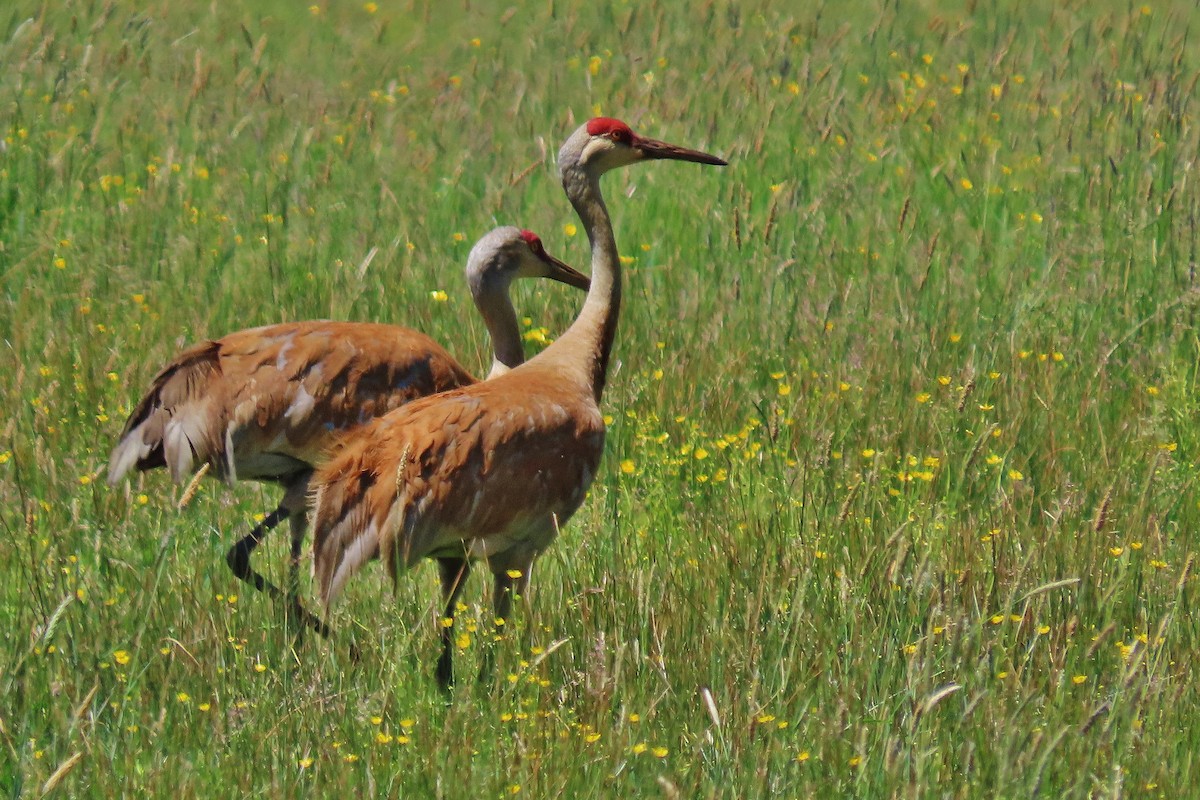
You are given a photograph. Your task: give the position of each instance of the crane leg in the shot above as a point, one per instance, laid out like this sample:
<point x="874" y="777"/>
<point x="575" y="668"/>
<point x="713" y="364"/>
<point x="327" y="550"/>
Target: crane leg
<point x="238" y="559"/>
<point x="505" y="587"/>
<point x="299" y="613"/>
<point x="453" y="572"/>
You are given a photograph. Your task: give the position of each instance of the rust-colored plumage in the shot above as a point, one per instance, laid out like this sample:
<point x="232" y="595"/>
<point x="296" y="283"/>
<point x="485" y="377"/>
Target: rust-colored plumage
<point x="481" y="473"/>
<point x="489" y="471"/>
<point x="266" y="404"/>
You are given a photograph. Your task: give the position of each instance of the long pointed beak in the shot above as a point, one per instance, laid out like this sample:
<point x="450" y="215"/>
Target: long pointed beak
<point x="564" y="273"/>
<point x="653" y="148"/>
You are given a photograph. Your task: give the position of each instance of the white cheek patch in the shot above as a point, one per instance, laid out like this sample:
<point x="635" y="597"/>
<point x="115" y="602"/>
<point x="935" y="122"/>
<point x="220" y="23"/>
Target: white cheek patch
<point x="594" y="149"/>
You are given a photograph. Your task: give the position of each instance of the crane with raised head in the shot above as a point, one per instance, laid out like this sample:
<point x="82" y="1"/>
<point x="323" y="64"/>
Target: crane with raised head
<point x="265" y="404"/>
<point x="489" y="471"/>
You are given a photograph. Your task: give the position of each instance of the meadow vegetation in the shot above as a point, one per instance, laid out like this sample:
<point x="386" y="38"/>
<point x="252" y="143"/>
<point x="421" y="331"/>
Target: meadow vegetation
<point x="900" y="492"/>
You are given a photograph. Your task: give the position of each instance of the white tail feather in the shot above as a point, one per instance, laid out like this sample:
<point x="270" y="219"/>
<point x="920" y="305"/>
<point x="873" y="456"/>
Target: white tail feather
<point x="362" y="549"/>
<point x="125" y="455"/>
<point x="178" y="450"/>
<point x="230" y="464"/>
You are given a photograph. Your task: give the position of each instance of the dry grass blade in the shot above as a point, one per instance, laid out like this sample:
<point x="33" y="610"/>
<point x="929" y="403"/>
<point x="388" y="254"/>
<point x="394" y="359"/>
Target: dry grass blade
<point x="1100" y="521"/>
<point x="938" y="695"/>
<point x="711" y="707"/>
<point x="192" y="487"/>
<point x="542" y="656"/>
<point x="1048" y="587"/>
<point x="61" y="773"/>
<point x="85" y="705"/>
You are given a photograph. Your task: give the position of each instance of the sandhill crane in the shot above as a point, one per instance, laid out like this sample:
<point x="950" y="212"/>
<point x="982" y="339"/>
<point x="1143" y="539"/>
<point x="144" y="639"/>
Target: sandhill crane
<point x="265" y="404"/>
<point x="492" y="470"/>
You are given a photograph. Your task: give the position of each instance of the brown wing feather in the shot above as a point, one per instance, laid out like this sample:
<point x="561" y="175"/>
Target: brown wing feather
<point x="267" y="402"/>
<point x="482" y="470"/>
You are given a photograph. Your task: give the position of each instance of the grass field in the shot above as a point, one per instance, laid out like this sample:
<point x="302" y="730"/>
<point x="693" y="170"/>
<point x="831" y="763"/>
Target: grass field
<point x="900" y="496"/>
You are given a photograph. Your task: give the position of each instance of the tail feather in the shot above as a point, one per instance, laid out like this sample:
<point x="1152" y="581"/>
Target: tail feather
<point x="125" y="456"/>
<point x="181" y="447"/>
<point x="345" y="533"/>
<point x="354" y="554"/>
<point x="230" y="471"/>
<point x="176" y="423"/>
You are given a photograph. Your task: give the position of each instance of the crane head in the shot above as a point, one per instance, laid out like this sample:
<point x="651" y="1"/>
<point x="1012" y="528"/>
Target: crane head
<point x="508" y="253"/>
<point x="547" y="266"/>
<point x="604" y="143"/>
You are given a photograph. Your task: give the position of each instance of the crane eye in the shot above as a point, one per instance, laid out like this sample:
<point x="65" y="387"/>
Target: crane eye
<point x="531" y="239"/>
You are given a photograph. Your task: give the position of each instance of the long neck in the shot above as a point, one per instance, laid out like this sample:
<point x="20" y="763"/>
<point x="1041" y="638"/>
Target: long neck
<point x="590" y="338"/>
<point x="498" y="314"/>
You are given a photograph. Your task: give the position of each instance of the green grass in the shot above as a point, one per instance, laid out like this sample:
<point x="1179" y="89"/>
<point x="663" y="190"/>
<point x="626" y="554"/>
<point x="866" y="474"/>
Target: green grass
<point x="901" y="478"/>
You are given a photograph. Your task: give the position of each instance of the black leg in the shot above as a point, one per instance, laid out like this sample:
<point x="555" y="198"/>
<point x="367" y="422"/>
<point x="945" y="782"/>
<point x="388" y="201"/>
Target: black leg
<point x="238" y="559"/>
<point x="507" y="584"/>
<point x="297" y="609"/>
<point x="299" y="526"/>
<point x="453" y="573"/>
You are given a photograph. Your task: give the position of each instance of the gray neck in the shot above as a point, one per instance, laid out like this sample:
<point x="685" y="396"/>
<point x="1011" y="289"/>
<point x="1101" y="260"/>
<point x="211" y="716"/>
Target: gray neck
<point x="498" y="314"/>
<point x="590" y="337"/>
